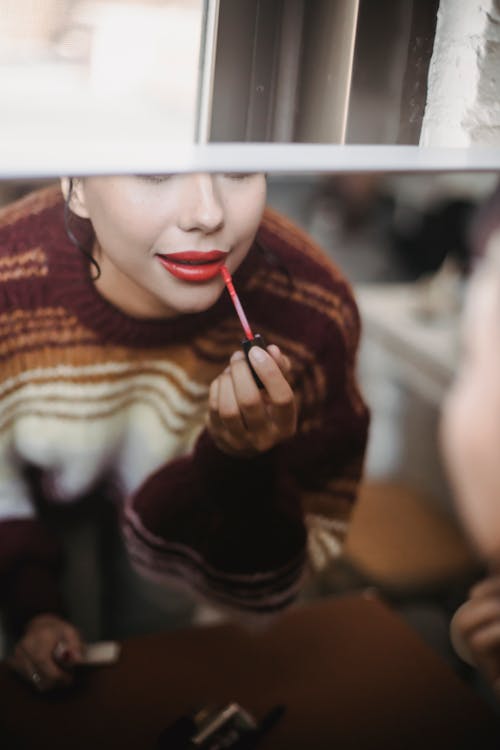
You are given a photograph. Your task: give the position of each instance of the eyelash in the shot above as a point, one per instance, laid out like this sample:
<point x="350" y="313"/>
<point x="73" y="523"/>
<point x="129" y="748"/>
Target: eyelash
<point x="237" y="175"/>
<point x="155" y="178"/>
<point x="159" y="178"/>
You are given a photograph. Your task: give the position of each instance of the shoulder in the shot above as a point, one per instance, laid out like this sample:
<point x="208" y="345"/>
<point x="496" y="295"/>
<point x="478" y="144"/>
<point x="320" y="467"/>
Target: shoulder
<point x="30" y="205"/>
<point x="304" y="303"/>
<point x="299" y="276"/>
<point x="27" y="227"/>
<point x="303" y="256"/>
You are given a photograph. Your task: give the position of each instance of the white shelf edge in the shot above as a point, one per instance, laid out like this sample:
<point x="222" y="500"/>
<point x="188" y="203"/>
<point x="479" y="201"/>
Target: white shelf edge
<point x="28" y="158"/>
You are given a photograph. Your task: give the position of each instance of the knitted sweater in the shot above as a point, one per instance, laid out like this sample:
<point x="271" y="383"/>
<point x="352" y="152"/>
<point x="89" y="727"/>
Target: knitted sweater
<point x="91" y="398"/>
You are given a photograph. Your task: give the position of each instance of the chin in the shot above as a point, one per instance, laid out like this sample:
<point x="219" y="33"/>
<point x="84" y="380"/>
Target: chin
<point x="199" y="305"/>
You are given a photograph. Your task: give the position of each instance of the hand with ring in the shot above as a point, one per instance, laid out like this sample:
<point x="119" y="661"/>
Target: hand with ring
<point x="47" y="652"/>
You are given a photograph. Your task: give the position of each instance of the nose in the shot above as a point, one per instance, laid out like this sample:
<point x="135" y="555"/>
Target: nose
<point x="201" y="207"/>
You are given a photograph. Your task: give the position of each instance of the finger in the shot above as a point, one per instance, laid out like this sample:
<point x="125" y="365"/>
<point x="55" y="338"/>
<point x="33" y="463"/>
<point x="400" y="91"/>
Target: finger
<point x="486" y="639"/>
<point x="248" y="396"/>
<point x="69" y="650"/>
<point x="213" y="395"/>
<point x="281" y="359"/>
<point x="269" y="372"/>
<point x="31" y="670"/>
<point x="490" y="586"/>
<point x="51" y="673"/>
<point x="475" y="614"/>
<point x="40" y="647"/>
<point x="282" y="400"/>
<point x="21" y="663"/>
<point x="214" y="419"/>
<point x="40" y="655"/>
<point x="228" y="407"/>
<point x="485" y="647"/>
<point x="220" y="435"/>
<point x="74" y="640"/>
<point x="62" y="655"/>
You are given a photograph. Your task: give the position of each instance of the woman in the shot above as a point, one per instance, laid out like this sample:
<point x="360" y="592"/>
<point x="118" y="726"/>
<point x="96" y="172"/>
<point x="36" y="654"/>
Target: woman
<point x="124" y="378"/>
<point x="470" y="436"/>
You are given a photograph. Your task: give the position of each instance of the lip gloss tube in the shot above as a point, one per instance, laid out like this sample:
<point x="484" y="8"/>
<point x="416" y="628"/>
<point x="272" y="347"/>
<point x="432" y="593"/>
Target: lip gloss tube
<point x="250" y="339"/>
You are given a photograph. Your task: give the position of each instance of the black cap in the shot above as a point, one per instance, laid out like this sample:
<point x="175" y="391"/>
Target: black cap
<point x="247" y="345"/>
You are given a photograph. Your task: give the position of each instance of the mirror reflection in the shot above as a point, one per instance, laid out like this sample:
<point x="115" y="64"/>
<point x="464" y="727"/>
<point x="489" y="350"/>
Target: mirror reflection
<point x="340" y="72"/>
<point x="100" y="68"/>
<point x="190" y="366"/>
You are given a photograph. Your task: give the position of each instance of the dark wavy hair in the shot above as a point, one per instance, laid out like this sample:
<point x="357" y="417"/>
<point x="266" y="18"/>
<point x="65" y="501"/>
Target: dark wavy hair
<point x="68" y="218"/>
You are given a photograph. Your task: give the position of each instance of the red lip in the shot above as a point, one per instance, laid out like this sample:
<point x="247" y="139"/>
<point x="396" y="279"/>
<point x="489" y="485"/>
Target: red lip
<point x="192" y="265"/>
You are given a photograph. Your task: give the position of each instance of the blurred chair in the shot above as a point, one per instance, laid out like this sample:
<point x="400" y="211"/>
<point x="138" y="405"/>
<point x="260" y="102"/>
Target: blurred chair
<point x="403" y="545"/>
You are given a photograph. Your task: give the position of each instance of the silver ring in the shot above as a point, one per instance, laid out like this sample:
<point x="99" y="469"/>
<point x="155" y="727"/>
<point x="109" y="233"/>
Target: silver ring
<point x="35" y="678"/>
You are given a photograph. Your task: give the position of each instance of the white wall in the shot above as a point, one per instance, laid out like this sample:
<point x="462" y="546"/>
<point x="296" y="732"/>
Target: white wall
<point x="463" y="101"/>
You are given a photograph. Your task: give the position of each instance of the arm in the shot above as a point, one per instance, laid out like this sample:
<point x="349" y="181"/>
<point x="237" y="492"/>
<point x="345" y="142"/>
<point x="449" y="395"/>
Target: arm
<point x="30" y="558"/>
<point x="224" y="521"/>
<point x="232" y="528"/>
<point x="475" y="630"/>
<point x="30" y="563"/>
<point x="229" y="528"/>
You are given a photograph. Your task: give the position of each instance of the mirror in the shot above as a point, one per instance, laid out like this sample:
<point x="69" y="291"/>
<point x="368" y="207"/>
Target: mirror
<point x="404" y="241"/>
<point x="196" y="71"/>
<point x="322" y="72"/>
<point x="100" y="70"/>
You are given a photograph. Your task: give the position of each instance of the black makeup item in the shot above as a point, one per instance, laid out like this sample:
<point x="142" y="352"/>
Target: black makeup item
<point x="251" y="339"/>
<point x="230" y="726"/>
<point x="247" y="344"/>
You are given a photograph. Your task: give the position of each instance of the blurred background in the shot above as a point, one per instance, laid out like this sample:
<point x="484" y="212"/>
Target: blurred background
<point x="412" y="72"/>
<point x="407" y="243"/>
<point x="106" y="69"/>
<point x="322" y="71"/>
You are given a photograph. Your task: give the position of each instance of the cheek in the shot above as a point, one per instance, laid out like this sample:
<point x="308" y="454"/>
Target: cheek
<point x="469" y="435"/>
<point x="120" y="220"/>
<point x="246" y="214"/>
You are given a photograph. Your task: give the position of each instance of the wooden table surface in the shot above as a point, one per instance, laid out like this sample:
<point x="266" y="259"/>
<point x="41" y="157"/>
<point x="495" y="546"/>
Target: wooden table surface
<point x="351" y="673"/>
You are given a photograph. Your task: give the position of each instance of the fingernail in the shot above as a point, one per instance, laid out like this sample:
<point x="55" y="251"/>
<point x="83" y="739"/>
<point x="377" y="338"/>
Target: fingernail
<point x="67" y="657"/>
<point x="60" y="651"/>
<point x="237" y="356"/>
<point x="257" y="354"/>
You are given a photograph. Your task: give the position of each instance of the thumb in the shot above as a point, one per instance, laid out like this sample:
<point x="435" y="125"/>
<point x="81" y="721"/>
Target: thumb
<point x="70" y="649"/>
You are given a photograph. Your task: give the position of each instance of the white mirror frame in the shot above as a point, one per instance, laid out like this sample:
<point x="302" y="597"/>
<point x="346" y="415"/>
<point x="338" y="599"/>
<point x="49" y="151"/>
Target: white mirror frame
<point x="21" y="159"/>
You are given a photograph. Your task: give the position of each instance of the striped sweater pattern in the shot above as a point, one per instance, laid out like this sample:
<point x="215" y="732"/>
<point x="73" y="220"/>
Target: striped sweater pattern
<point x="93" y="398"/>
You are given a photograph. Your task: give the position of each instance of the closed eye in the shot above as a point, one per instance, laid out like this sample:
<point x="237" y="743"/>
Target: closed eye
<point x="238" y="175"/>
<point x="154" y="178"/>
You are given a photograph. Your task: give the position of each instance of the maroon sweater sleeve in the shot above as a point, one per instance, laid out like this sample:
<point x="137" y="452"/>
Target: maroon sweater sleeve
<point x="239" y="531"/>
<point x="229" y="529"/>
<point x="30" y="562"/>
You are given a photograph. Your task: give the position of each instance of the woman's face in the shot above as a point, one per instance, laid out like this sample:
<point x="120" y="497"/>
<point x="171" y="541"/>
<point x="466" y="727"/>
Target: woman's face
<point x="470" y="427"/>
<point x="161" y="240"/>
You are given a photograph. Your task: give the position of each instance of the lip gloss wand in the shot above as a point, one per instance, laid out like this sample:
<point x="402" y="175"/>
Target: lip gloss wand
<point x="250" y="338"/>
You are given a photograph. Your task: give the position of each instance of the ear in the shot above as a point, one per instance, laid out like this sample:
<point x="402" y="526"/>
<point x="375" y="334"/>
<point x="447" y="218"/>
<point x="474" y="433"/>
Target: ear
<point x="76" y="196"/>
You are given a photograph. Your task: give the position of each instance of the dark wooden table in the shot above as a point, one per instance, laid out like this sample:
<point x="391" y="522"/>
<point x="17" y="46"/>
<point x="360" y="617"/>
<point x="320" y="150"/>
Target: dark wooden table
<point x="351" y="673"/>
